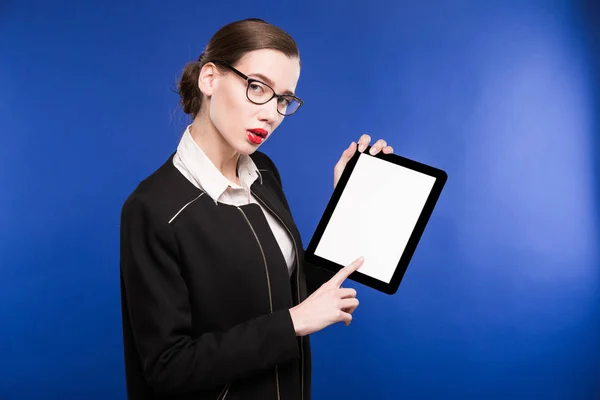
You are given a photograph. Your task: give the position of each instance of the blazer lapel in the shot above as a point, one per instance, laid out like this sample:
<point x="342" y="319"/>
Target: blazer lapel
<point x="272" y="203"/>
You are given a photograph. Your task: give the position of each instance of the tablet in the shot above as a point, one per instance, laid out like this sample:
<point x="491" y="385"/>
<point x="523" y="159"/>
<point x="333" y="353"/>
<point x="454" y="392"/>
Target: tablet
<point x="379" y="210"/>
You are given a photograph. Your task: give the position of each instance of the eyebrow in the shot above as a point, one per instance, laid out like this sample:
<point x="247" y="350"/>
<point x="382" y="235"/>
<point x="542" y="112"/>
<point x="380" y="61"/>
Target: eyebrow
<point x="269" y="82"/>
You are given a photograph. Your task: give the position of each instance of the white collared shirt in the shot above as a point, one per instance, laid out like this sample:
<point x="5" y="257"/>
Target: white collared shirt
<point x="195" y="165"/>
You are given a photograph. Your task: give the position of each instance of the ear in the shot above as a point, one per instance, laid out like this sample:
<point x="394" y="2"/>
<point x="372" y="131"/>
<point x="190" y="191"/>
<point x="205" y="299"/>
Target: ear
<point x="207" y="79"/>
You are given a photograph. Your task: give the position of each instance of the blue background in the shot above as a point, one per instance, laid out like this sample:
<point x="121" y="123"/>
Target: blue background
<point x="502" y="298"/>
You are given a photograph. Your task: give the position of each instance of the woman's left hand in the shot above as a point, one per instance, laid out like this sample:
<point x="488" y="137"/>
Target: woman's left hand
<point x="363" y="142"/>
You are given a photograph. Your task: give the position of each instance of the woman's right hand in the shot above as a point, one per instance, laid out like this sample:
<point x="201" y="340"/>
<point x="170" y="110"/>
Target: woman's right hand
<point x="327" y="305"/>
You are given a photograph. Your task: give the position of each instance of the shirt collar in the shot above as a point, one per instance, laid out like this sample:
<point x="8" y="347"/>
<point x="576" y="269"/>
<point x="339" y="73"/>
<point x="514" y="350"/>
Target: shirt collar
<point x="206" y="175"/>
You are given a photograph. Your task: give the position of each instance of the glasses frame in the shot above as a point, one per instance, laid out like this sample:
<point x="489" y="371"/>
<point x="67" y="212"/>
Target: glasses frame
<point x="251" y="80"/>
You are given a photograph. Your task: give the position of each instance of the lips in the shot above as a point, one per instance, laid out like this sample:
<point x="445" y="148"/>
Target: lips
<point x="257" y="136"/>
<point x="259" y="132"/>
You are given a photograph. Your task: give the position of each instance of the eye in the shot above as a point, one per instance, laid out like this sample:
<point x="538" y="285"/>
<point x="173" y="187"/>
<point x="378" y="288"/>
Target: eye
<point x="257" y="88"/>
<point x="284" y="101"/>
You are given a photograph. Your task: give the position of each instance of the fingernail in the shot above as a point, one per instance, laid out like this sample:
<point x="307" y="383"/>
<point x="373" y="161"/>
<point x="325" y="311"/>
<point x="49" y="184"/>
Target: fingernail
<point x="372" y="151"/>
<point x="361" y="147"/>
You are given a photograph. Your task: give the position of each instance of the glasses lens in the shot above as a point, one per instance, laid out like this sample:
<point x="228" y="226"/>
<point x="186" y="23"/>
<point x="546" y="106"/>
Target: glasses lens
<point x="288" y="105"/>
<point x="259" y="92"/>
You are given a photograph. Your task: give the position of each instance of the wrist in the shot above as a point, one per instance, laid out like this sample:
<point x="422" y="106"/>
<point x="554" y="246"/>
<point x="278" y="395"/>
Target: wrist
<point x="299" y="324"/>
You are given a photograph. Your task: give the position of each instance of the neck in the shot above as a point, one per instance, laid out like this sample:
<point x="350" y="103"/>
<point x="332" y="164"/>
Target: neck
<point x="216" y="148"/>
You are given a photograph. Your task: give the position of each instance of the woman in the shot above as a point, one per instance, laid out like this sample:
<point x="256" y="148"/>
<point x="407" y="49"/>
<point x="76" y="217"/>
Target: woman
<point x="217" y="301"/>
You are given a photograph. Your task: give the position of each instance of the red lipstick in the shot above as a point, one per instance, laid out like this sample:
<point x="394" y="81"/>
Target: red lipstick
<point x="257" y="136"/>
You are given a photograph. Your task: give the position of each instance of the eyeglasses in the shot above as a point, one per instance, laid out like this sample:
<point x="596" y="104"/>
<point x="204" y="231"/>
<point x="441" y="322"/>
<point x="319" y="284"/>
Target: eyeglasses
<point x="260" y="93"/>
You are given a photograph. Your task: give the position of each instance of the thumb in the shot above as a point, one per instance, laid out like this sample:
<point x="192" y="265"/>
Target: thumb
<point x="347" y="155"/>
<point x="349" y="152"/>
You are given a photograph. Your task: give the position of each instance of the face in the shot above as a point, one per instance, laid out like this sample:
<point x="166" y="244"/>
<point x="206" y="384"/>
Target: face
<point x="232" y="113"/>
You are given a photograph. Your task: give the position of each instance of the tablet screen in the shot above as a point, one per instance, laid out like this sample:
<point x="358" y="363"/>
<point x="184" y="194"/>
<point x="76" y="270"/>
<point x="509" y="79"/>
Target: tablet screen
<point x="375" y="216"/>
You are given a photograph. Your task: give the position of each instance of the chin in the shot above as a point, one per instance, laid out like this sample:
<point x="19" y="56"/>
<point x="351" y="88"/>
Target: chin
<point x="247" y="148"/>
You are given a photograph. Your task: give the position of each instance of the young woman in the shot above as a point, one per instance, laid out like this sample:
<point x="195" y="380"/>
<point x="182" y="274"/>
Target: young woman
<point x="217" y="301"/>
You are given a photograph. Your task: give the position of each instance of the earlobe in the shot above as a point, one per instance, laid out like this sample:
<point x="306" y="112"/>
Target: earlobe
<point x="206" y="79"/>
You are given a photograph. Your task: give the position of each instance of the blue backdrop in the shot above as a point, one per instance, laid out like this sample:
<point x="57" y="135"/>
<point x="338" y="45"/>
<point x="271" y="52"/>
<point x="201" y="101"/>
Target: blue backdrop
<point x="502" y="298"/>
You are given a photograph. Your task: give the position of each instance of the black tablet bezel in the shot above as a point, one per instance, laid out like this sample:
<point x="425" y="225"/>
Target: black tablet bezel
<point x="392" y="287"/>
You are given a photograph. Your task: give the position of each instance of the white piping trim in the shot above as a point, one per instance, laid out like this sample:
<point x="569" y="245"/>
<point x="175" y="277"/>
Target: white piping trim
<point x="183" y="208"/>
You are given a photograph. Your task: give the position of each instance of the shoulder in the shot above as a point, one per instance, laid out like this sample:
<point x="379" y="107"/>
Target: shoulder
<point x="265" y="164"/>
<point x="160" y="195"/>
<point x="262" y="160"/>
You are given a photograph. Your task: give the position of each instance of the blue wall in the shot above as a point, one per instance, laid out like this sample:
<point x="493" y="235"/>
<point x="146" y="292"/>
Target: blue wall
<point x="502" y="299"/>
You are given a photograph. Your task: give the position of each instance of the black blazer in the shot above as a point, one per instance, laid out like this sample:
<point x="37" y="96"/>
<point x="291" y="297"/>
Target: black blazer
<point x="206" y="293"/>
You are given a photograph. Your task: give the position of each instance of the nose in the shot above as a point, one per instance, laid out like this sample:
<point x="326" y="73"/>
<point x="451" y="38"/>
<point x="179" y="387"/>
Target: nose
<point x="268" y="112"/>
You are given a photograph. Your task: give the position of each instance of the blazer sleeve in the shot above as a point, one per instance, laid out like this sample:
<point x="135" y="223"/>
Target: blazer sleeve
<point x="174" y="361"/>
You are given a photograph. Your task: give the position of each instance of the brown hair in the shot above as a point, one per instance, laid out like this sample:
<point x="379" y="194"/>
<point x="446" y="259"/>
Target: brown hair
<point x="229" y="44"/>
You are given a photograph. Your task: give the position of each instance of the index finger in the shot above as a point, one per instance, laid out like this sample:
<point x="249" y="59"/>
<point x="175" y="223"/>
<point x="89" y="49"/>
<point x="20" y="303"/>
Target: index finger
<point x="345" y="272"/>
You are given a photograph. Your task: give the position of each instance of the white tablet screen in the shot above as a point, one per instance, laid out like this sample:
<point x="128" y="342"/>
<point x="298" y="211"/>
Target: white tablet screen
<point x="375" y="216"/>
